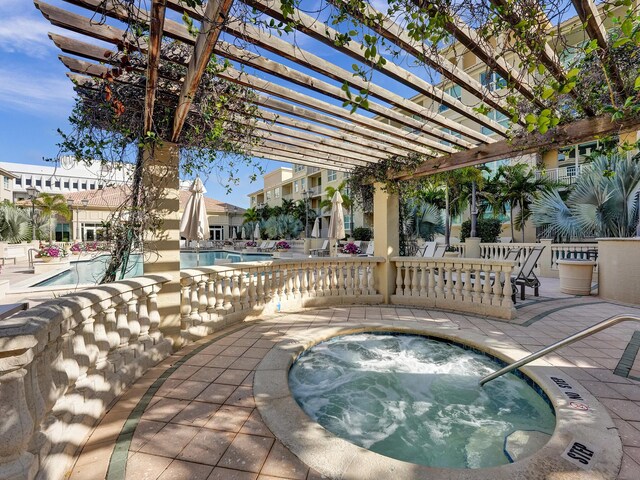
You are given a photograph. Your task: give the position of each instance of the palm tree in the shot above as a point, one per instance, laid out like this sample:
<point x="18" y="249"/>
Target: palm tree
<point x="250" y="215"/>
<point x="603" y="202"/>
<point x="519" y="188"/>
<point x="51" y="205"/>
<point x="14" y="224"/>
<point x="347" y="202"/>
<point x="288" y="206"/>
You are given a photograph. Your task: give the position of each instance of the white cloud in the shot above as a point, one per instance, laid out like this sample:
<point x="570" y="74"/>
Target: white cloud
<point x="21" y="90"/>
<point x="24" y="34"/>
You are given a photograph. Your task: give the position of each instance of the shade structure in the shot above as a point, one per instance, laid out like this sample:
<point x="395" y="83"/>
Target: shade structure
<point x="256" y="232"/>
<point x="194" y="224"/>
<point x="336" y="221"/>
<point x="315" y="232"/>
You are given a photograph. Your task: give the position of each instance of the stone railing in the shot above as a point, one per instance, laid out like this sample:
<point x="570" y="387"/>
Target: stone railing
<point x="63" y="362"/>
<point x="460" y="284"/>
<point x="213" y="297"/>
<point x="581" y="251"/>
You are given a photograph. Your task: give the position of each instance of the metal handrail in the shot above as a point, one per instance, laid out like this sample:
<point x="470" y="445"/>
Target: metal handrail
<point x="598" y="327"/>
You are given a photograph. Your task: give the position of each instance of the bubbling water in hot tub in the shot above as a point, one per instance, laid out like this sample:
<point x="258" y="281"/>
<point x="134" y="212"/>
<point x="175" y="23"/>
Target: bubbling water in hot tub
<point x="416" y="399"/>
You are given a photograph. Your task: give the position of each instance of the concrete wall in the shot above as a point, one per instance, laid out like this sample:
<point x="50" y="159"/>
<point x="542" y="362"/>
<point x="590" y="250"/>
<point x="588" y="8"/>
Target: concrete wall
<point x="619" y="267"/>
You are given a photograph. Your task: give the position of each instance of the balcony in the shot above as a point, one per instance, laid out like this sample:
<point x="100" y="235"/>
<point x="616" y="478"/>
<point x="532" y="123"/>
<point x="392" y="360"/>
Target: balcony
<point x="565" y="175"/>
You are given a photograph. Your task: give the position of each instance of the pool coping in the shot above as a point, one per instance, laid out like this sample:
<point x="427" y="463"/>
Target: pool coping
<point x="580" y="419"/>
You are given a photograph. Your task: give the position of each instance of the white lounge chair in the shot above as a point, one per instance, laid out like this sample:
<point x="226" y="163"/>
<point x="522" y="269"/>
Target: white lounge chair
<point x="369" y="251"/>
<point x="321" y="252"/>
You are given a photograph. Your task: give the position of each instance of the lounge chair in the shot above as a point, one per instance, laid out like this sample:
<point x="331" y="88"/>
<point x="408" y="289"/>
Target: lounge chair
<point x="439" y="251"/>
<point x="525" y="277"/>
<point x="321" y="252"/>
<point x="427" y="250"/>
<point x="262" y="245"/>
<point x="506" y="239"/>
<point x="269" y="247"/>
<point x="369" y="251"/>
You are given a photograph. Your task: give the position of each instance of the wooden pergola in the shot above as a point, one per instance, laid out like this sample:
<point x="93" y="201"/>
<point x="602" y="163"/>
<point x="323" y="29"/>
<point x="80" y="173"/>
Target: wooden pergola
<point x="299" y="128"/>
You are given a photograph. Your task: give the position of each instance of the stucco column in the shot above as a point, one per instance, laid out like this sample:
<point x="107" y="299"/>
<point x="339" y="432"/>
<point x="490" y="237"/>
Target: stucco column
<point x="472" y="247"/>
<point x="386" y="241"/>
<point x="162" y="255"/>
<point x="546" y="259"/>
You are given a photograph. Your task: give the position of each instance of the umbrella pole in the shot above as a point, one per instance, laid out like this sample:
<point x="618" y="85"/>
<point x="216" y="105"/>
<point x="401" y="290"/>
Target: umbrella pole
<point x="197" y="253"/>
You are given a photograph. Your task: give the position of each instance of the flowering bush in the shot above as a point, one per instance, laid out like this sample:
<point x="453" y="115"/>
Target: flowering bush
<point x="78" y="247"/>
<point x="251" y="243"/>
<point x="351" y="248"/>
<point x="53" y="251"/>
<point x="92" y="247"/>
<point x="282" y="245"/>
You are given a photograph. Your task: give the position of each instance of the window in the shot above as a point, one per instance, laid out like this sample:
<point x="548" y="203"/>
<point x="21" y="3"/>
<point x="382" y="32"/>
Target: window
<point x="28" y="182"/>
<point x="331" y="175"/>
<point x="450" y="132"/>
<point x="217" y="232"/>
<point x="84" y="186"/>
<point x="303" y="183"/>
<point x="66" y="184"/>
<point x="19" y="182"/>
<point x="268" y="195"/>
<point x="296" y="186"/>
<point x="492" y="81"/>
<point x="276" y="192"/>
<point x="498" y="117"/>
<point x="38" y="183"/>
<point x="347" y="223"/>
<point x="93" y="186"/>
<point x="6" y="182"/>
<point x="63" y="232"/>
<point x="455" y="92"/>
<point x="47" y="183"/>
<point x="298" y="168"/>
<point x="57" y="184"/>
<point x="75" y="185"/>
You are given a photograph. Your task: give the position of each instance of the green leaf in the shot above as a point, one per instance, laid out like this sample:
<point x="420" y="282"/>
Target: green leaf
<point x="620" y="42"/>
<point x="547" y="93"/>
<point x="636" y="83"/>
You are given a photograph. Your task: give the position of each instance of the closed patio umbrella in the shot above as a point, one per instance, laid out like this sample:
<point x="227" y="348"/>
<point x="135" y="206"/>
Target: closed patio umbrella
<point x="315" y="233"/>
<point x="336" y="222"/>
<point x="244" y="233"/>
<point x="194" y="224"/>
<point x="256" y="232"/>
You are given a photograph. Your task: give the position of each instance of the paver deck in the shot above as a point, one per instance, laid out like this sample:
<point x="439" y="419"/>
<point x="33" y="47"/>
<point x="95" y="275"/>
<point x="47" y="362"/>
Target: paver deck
<point x="194" y="416"/>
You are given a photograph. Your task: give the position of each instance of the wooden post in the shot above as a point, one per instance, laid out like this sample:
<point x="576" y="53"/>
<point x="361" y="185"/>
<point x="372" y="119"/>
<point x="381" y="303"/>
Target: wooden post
<point x="386" y="225"/>
<point x="161" y="178"/>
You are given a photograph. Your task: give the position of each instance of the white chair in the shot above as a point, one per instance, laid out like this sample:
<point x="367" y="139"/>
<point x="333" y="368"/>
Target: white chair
<point x="427" y="249"/>
<point x="321" y="252"/>
<point x="369" y="251"/>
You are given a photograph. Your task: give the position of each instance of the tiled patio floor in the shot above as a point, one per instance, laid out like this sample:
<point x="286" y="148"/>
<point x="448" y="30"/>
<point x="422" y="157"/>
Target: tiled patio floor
<point x="198" y="420"/>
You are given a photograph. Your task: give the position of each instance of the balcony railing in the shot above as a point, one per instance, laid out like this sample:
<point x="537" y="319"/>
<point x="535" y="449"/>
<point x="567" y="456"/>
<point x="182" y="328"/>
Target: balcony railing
<point x="565" y="175"/>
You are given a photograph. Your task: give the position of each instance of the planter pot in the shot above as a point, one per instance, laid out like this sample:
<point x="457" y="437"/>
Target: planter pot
<point x="75" y="253"/>
<point x="575" y="276"/>
<point x="46" y="259"/>
<point x="451" y="254"/>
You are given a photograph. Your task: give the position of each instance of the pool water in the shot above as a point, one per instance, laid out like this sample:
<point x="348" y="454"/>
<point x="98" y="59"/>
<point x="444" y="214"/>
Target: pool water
<point x="416" y="399"/>
<point x="91" y="271"/>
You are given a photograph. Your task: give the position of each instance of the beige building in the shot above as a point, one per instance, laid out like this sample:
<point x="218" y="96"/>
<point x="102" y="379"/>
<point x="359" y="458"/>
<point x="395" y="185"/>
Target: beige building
<point x="6" y="185"/>
<point x="91" y="209"/>
<point x="301" y="183"/>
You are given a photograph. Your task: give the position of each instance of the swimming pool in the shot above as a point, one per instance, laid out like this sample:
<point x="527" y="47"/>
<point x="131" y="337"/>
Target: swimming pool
<point x="90" y="271"/>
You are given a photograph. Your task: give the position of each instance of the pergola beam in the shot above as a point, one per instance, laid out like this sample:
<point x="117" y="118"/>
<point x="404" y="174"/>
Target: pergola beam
<point x="570" y="134"/>
<point x="158" y="8"/>
<point x="215" y="13"/>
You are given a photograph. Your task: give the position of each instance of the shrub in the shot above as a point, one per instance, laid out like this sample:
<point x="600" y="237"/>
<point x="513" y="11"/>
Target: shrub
<point x="282" y="245"/>
<point x="488" y="229"/>
<point x="362" y="233"/>
<point x="251" y="243"/>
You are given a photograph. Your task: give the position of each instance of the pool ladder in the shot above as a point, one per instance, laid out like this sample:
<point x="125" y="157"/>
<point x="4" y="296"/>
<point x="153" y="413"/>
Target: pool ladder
<point x="598" y="327"/>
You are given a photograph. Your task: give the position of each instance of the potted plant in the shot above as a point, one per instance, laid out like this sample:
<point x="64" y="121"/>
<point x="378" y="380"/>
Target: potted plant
<point x="49" y="253"/>
<point x="77" y="248"/>
<point x="282" y="245"/>
<point x="351" y="249"/>
<point x="575" y="276"/>
<point x="251" y="246"/>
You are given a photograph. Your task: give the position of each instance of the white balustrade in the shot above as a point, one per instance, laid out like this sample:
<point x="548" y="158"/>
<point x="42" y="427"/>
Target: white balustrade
<point x="63" y="362"/>
<point x="245" y="290"/>
<point x="579" y="251"/>
<point x="475" y="286"/>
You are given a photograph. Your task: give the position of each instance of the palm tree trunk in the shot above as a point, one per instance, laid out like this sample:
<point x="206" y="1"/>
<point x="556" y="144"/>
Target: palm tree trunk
<point x="51" y="229"/>
<point x="447" y="221"/>
<point x="513" y="235"/>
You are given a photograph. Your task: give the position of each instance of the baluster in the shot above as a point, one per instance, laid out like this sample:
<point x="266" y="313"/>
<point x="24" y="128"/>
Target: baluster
<point x="297" y="284"/>
<point x="415" y="285"/>
<point x="431" y="286"/>
<point x="194" y="316"/>
<point x="321" y="275"/>
<point x="185" y="303"/>
<point x="459" y="281"/>
<point x="399" y="267"/>
<point x="79" y="348"/>
<point x="497" y="287"/>
<point x="243" y="300"/>
<point x="203" y="301"/>
<point x="110" y="323"/>
<point x="220" y="293"/>
<point x="348" y="278"/>
<point x="507" y="291"/>
<point x="477" y="286"/>
<point x="489" y="270"/>
<point x="372" y="279"/>
<point x="211" y="296"/>
<point x="252" y="290"/>
<point x="227" y="291"/>
<point x="304" y="287"/>
<point x="90" y="341"/>
<point x="449" y="281"/>
<point x="440" y="284"/>
<point x="423" y="281"/>
<point x="122" y="324"/>
<point x="268" y="285"/>
<point x="357" y="278"/>
<point x="143" y="316"/>
<point x="328" y="267"/>
<point x="102" y="340"/>
<point x="311" y="285"/>
<point x="132" y="318"/>
<point x="259" y="288"/>
<point x="154" y="314"/>
<point x="468" y="281"/>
